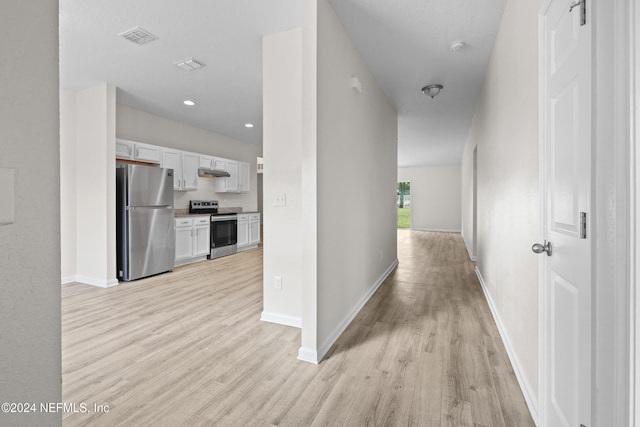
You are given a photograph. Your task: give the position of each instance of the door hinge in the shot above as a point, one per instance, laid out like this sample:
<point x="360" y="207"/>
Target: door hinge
<point x="583" y="225"/>
<point x="583" y="10"/>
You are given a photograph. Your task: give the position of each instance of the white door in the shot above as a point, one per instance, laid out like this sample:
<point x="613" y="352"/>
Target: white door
<point x="566" y="310"/>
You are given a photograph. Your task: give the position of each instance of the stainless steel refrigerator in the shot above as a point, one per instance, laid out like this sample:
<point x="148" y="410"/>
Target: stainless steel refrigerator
<point x="144" y="221"/>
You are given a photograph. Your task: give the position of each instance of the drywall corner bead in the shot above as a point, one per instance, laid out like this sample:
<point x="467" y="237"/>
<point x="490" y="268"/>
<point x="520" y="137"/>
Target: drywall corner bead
<point x="356" y="86"/>
<point x="7" y="196"/>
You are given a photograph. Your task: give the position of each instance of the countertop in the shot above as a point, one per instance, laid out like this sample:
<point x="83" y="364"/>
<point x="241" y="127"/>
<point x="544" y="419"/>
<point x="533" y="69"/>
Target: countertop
<point x="177" y="213"/>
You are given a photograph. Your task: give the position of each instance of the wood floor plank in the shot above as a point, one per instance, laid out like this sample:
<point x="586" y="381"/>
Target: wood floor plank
<point x="188" y="348"/>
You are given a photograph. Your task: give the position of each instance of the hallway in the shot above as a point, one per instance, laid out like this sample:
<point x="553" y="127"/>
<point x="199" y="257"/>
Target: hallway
<point x="187" y="348"/>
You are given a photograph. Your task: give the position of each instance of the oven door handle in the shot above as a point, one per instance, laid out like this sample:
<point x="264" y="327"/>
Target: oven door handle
<point x="223" y="218"/>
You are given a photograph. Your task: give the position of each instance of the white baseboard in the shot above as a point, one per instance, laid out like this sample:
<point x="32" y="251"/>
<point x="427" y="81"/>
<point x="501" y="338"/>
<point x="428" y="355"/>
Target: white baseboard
<point x="281" y="319"/>
<point x="472" y="257"/>
<point x="93" y="281"/>
<point x="333" y="337"/>
<point x="527" y="390"/>
<point x="307" y="354"/>
<point x="438" y="230"/>
<point x="68" y="279"/>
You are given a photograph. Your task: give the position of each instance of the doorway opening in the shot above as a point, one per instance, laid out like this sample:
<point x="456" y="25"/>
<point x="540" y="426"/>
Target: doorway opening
<point x="404" y="204"/>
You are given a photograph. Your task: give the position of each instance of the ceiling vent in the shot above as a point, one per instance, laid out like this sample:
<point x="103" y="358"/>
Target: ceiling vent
<point x="138" y="36"/>
<point x="190" y="64"/>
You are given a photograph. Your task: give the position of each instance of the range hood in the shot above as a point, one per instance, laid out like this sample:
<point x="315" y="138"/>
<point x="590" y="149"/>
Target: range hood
<point x="217" y="173"/>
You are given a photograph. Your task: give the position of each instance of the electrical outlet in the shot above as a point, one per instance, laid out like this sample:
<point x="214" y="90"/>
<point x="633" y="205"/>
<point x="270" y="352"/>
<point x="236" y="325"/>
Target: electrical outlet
<point x="277" y="282"/>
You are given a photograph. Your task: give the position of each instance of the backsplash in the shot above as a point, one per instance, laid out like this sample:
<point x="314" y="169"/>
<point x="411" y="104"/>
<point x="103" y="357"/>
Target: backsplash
<point x="247" y="202"/>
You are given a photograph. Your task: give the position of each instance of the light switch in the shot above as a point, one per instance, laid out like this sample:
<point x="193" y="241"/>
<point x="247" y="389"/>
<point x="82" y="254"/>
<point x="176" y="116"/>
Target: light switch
<point x="280" y="200"/>
<point x="7" y="196"/>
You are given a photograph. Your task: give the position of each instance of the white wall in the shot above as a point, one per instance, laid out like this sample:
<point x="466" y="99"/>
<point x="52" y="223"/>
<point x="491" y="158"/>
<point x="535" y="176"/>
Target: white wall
<point x="467" y="202"/>
<point x="282" y="99"/>
<point x="68" y="176"/>
<point x="309" y="170"/>
<point x="435" y="197"/>
<point x="30" y="364"/>
<point x="505" y="130"/>
<point x="140" y="126"/>
<point x="349" y="148"/>
<point x="95" y="186"/>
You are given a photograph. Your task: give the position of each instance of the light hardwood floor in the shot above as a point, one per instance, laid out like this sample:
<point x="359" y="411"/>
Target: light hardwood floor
<point x="188" y="348"/>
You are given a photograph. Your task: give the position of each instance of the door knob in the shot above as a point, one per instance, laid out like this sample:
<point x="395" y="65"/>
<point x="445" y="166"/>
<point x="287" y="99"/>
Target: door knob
<point x="540" y="248"/>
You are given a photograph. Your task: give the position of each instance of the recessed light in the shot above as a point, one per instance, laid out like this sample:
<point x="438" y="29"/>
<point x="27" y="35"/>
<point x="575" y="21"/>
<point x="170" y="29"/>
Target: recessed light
<point x="248" y="125"/>
<point x="189" y="102"/>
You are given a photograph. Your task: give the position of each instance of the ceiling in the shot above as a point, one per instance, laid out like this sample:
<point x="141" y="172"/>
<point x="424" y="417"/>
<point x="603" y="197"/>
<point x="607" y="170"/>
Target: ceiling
<point x="406" y="45"/>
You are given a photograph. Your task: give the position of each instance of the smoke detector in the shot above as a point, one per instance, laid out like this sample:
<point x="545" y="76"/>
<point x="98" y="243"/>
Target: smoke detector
<point x="456" y="46"/>
<point x="190" y="64"/>
<point x="138" y="36"/>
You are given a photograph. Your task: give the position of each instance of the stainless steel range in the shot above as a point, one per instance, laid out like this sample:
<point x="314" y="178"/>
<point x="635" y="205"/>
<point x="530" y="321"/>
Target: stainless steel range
<point x="224" y="227"/>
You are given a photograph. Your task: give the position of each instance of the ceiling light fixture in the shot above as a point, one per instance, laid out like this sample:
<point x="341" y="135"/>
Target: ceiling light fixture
<point x="189" y="102"/>
<point x="248" y="125"/>
<point x="432" y="90"/>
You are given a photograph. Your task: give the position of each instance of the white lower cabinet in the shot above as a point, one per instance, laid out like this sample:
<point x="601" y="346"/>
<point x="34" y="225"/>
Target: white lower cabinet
<point x="243" y="231"/>
<point x="254" y="229"/>
<point x="192" y="239"/>
<point x="248" y="231"/>
<point x="201" y="243"/>
<point x="184" y="239"/>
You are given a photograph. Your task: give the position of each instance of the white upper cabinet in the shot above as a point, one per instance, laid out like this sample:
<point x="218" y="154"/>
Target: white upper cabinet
<point x="206" y="161"/>
<point x="131" y="150"/>
<point x="124" y="149"/>
<point x="185" y="168"/>
<point x="244" y="177"/>
<point x="171" y="159"/>
<point x="239" y="179"/>
<point x="230" y="184"/>
<point x="190" y="165"/>
<point x="147" y="153"/>
<point x="219" y="163"/>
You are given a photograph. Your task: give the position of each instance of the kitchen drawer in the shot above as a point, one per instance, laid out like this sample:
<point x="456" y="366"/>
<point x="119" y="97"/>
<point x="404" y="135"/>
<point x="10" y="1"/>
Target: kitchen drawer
<point x="201" y="220"/>
<point x="254" y="217"/>
<point x="184" y="222"/>
<point x="243" y="217"/>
